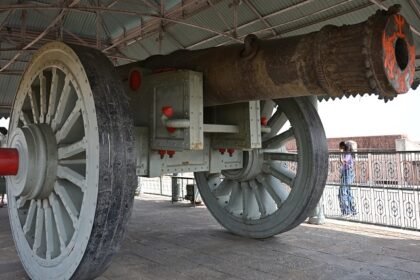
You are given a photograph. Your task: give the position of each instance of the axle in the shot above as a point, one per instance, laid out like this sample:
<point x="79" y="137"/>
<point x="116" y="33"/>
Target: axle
<point x="375" y="56"/>
<point x="9" y="161"/>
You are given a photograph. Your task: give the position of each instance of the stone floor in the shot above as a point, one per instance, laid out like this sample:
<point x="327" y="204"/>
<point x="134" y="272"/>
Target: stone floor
<point x="176" y="241"/>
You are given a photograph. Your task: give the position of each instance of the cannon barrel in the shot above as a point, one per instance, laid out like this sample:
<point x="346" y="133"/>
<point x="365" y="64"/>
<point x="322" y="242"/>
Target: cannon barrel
<point x="376" y="56"/>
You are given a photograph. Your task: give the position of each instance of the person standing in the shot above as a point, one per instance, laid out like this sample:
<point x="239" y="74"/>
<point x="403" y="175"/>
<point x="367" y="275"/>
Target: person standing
<point x="345" y="196"/>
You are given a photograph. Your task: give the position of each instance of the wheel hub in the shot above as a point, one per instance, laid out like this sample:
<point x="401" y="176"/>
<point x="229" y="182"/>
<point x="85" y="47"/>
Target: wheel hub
<point x="253" y="163"/>
<point x="37" y="150"/>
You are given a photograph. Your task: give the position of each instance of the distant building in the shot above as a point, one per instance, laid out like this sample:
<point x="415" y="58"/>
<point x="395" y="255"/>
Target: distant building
<point x="377" y="143"/>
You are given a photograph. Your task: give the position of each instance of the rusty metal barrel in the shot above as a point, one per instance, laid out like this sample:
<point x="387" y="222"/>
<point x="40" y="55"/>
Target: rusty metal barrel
<point x="376" y="56"/>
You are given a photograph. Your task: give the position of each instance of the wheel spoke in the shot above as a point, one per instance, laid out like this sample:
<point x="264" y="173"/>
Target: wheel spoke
<point x="235" y="201"/>
<point x="73" y="149"/>
<point x="42" y="97"/>
<point x="64" y="98"/>
<point x="224" y="188"/>
<point x="39" y="228"/>
<point x="30" y="217"/>
<point x="278" y="140"/>
<point x="68" y="124"/>
<point x="50" y="232"/>
<point x="34" y="106"/>
<point x="276" y="123"/>
<point x="24" y="118"/>
<point x="77" y="161"/>
<point x="280" y="172"/>
<point x="214" y="180"/>
<point x="280" y="156"/>
<point x="72" y="176"/>
<point x="63" y="231"/>
<point x="273" y="187"/>
<point x="269" y="203"/>
<point x="20" y="202"/>
<point x="71" y="208"/>
<point x="267" y="107"/>
<point x="53" y="95"/>
<point x="246" y="200"/>
<point x="261" y="205"/>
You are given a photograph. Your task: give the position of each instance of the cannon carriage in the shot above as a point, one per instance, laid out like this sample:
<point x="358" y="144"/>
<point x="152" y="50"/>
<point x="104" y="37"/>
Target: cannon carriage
<point x="241" y="117"/>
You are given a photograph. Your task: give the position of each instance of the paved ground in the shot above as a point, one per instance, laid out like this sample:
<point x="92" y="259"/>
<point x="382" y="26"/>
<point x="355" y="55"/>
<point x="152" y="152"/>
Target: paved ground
<point x="177" y="241"/>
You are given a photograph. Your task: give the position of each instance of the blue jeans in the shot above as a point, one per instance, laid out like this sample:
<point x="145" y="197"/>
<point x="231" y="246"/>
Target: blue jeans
<point x="345" y="197"/>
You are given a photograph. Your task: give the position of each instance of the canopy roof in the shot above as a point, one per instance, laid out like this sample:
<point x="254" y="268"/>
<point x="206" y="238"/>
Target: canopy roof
<point x="131" y="30"/>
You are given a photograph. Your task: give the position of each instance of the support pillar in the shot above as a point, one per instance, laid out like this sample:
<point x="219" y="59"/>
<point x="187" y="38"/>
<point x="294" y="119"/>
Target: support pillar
<point x="175" y="188"/>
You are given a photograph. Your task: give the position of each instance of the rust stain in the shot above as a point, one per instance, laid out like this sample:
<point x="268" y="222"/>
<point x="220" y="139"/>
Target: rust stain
<point x="400" y="79"/>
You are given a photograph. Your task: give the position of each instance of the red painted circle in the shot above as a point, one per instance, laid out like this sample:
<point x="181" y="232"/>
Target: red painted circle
<point x="399" y="53"/>
<point x="135" y="80"/>
<point x="264" y="121"/>
<point x="168" y="111"/>
<point x="171" y="129"/>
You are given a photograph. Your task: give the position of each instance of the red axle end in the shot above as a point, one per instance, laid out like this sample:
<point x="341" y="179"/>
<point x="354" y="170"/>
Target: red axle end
<point x="9" y="162"/>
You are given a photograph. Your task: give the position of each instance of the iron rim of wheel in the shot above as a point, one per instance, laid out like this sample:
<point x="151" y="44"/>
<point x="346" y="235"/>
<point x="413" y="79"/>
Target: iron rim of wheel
<point x="276" y="189"/>
<point x="54" y="122"/>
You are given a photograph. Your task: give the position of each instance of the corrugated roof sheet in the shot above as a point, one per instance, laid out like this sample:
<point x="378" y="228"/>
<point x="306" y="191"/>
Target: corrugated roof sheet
<point x="293" y="17"/>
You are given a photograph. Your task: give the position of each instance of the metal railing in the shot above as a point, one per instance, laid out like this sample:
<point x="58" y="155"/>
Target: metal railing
<point x="386" y="188"/>
<point x="163" y="185"/>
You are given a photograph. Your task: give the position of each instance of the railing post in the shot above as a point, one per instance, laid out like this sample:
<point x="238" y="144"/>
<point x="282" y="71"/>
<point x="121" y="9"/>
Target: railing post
<point x="370" y="167"/>
<point x="161" y="185"/>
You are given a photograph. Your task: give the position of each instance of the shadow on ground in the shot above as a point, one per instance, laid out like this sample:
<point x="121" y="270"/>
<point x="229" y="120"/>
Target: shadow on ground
<point x="176" y="241"/>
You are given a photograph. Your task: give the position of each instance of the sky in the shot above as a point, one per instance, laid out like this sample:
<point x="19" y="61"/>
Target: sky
<point x="368" y="116"/>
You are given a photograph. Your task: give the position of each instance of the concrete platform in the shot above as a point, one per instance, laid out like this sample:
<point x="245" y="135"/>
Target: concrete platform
<point x="177" y="241"/>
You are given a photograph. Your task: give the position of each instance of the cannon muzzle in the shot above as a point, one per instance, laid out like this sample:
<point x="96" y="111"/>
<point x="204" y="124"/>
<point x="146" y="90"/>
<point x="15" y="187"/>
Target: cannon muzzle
<point x="376" y="56"/>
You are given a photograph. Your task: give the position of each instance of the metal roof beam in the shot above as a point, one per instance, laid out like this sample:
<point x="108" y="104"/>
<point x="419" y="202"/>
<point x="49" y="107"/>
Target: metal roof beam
<point x="172" y="17"/>
<point x="282" y="11"/>
<point x="58" y="17"/>
<point x="6" y="19"/>
<point x="383" y="7"/>
<point x="34" y="41"/>
<point x="182" y="10"/>
<point x="152" y="5"/>
<point x="23" y="21"/>
<point x="258" y="14"/>
<point x="219" y="15"/>
<point x="17" y="60"/>
<point x="80" y="40"/>
<point x="11" y="73"/>
<point x="235" y="4"/>
<point x="313" y="14"/>
<point x="164" y="19"/>
<point x="415" y="7"/>
<point x="14" y="33"/>
<point x="112" y="3"/>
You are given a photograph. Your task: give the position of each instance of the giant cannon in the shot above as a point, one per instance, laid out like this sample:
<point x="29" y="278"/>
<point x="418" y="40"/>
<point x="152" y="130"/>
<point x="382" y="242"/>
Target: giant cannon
<point x="241" y="117"/>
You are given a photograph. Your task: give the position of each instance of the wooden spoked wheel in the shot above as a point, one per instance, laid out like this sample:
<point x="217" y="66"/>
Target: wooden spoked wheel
<point x="71" y="199"/>
<point x="280" y="183"/>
